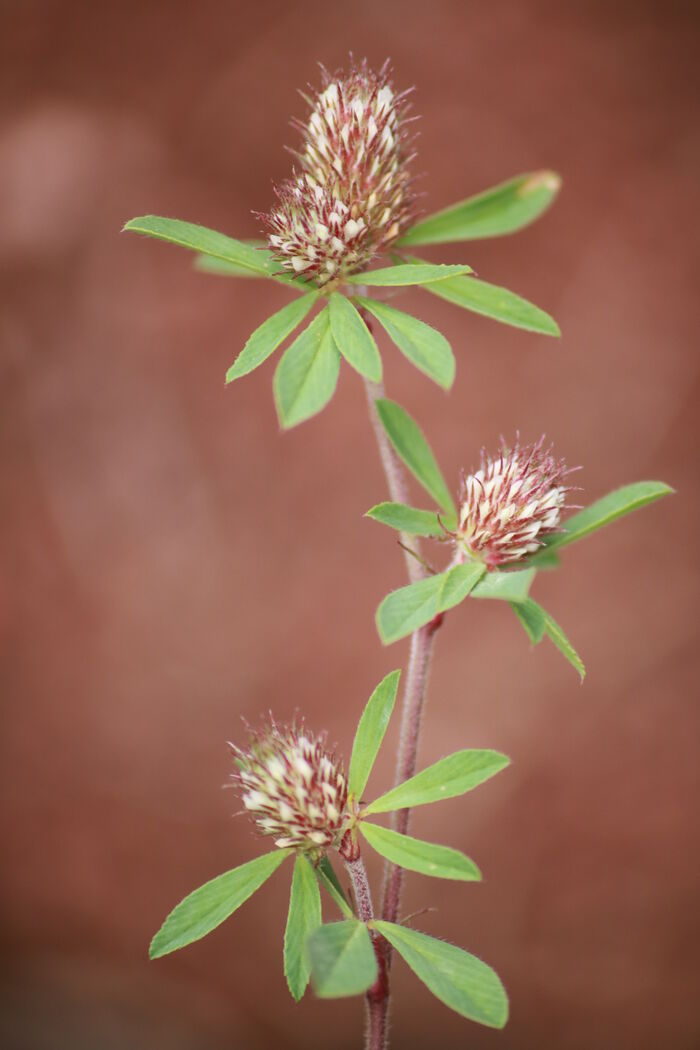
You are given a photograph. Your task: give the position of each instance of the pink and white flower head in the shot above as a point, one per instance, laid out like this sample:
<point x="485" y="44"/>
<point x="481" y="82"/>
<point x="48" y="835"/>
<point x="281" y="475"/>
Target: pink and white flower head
<point x="292" y="788"/>
<point x="511" y="503"/>
<point x="353" y="195"/>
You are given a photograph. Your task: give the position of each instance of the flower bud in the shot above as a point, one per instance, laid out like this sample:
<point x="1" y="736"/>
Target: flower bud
<point x="511" y="503"/>
<point x="353" y="196"/>
<point x="293" y="788"/>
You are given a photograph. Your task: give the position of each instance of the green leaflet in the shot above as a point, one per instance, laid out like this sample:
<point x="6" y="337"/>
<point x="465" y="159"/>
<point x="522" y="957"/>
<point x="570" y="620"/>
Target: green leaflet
<point x="370" y="732"/>
<point x="531" y="617"/>
<point x="411" y="447"/>
<point x="506" y="586"/>
<point x="502" y="209"/>
<point x="458" y="979"/>
<point x="497" y="303"/>
<point x="447" y="778"/>
<point x="329" y="880"/>
<point x="265" y="339"/>
<point x="307" y="375"/>
<point x="354" y="339"/>
<point x="303" y="918"/>
<point x="537" y="622"/>
<point x="207" y="907"/>
<point x="403" y="611"/>
<point x="201" y="239"/>
<point x="425" y="347"/>
<point x="342" y="959"/>
<point x="418" y="273"/>
<point x="410" y="520"/>
<point x="441" y="862"/>
<point x="616" y="504"/>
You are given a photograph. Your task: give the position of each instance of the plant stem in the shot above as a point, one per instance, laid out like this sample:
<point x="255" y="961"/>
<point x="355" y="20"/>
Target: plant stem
<point x="422" y="642"/>
<point x="377" y="996"/>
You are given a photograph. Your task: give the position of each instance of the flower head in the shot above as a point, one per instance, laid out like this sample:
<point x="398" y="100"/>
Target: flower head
<point x="353" y="195"/>
<point x="293" y="788"/>
<point x="511" y="503"/>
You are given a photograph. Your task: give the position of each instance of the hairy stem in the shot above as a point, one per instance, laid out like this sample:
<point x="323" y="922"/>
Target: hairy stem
<point x="413" y="702"/>
<point x="377" y="996"/>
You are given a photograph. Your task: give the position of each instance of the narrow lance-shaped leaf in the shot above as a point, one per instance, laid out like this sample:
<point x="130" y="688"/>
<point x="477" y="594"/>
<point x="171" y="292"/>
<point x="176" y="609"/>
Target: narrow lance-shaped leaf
<point x="329" y="880"/>
<point x="201" y="239"/>
<point x="503" y="209"/>
<point x="354" y="339"/>
<point x="303" y="918"/>
<point x="307" y="375"/>
<point x="342" y="959"/>
<point x="410" y="520"/>
<point x="411" y="273"/>
<point x="497" y="303"/>
<point x="531" y="617"/>
<point x="207" y="907"/>
<point x="411" y="447"/>
<point x="271" y="333"/>
<point x="555" y="633"/>
<point x="447" y="778"/>
<point x="505" y="586"/>
<point x="616" y="504"/>
<point x="403" y="611"/>
<point x="427" y="858"/>
<point x="424" y="347"/>
<point x="458" y="979"/>
<point x="370" y="732"/>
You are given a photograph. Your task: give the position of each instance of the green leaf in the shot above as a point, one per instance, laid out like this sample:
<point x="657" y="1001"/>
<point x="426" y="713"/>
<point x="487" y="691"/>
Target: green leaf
<point x="370" y="732"/>
<point x="303" y="918"/>
<point x="265" y="339"/>
<point x="458" y="979"/>
<point x="403" y="611"/>
<point x="425" y="857"/>
<point x="502" y="209"/>
<point x="506" y="586"/>
<point x="497" y="303"/>
<point x="209" y="242"/>
<point x="207" y="907"/>
<point x="426" y="348"/>
<point x="307" y="375"/>
<point x="329" y="880"/>
<point x="603" y="511"/>
<point x="410" y="273"/>
<point x="447" y="778"/>
<point x="412" y="448"/>
<point x="406" y="519"/>
<point x="354" y="339"/>
<point x="554" y="631"/>
<point x="531" y="617"/>
<point x="342" y="959"/>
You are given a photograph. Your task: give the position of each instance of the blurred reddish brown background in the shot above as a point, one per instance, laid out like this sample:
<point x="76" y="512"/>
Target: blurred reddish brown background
<point x="172" y="562"/>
